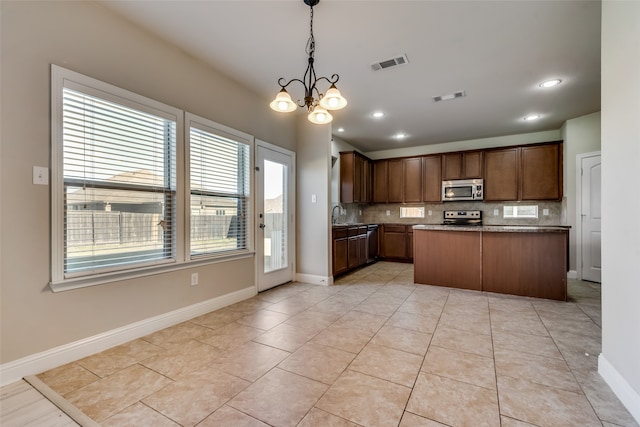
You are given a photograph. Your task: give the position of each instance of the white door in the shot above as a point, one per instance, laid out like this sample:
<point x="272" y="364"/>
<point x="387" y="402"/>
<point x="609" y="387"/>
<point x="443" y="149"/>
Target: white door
<point x="274" y="215"/>
<point x="590" y="213"/>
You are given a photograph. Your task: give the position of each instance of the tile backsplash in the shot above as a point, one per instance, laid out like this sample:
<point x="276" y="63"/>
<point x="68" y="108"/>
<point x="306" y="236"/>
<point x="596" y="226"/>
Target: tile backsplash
<point x="377" y="213"/>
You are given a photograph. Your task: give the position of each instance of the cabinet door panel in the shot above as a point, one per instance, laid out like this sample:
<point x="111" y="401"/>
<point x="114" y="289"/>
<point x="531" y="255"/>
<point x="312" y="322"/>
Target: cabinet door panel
<point x="353" y="256"/>
<point x="431" y="179"/>
<point x="452" y="166"/>
<point x="380" y="188"/>
<point x="540" y="169"/>
<point x="472" y="165"/>
<point x="412" y="180"/>
<point x="501" y="174"/>
<point x="347" y="165"/>
<point x="394" y="181"/>
<point x="340" y="249"/>
<point x="357" y="178"/>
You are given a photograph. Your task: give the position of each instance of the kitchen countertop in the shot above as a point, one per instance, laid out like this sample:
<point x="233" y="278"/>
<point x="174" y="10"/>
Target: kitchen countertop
<point x="497" y="228"/>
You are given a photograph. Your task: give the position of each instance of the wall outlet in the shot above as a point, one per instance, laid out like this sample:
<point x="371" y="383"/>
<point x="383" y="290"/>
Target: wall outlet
<point x="388" y="213"/>
<point x="359" y="211"/>
<point x="40" y="175"/>
<point x="430" y="213"/>
<point x="194" y="279"/>
<point x="545" y="212"/>
<point x="496" y="212"/>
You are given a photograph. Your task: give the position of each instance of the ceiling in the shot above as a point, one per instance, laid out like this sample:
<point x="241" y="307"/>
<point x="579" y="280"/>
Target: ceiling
<point x="496" y="51"/>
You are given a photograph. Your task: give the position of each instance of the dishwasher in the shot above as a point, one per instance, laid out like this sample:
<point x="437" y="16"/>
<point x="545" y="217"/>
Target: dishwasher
<point x="372" y="243"/>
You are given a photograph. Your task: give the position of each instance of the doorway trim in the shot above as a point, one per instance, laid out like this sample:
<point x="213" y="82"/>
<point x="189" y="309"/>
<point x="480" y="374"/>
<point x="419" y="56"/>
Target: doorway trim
<point x="578" y="219"/>
<point x="291" y="206"/>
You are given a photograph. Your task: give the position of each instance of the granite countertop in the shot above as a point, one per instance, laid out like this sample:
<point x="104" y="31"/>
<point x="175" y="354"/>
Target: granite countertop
<point x="497" y="228"/>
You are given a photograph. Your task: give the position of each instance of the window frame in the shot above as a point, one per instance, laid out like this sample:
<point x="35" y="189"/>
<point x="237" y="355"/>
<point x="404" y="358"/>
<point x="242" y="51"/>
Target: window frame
<point x="61" y="78"/>
<point x="206" y="125"/>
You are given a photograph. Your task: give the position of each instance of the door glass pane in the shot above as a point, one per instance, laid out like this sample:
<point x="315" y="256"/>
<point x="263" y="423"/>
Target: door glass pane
<point x="275" y="216"/>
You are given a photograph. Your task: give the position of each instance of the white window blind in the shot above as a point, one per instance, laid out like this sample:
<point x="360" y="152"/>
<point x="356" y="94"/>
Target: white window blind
<point x="220" y="186"/>
<point x="119" y="174"/>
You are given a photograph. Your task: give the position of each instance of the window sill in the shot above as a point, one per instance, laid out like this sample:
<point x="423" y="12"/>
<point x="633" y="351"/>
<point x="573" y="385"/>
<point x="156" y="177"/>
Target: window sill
<point x="101" y="279"/>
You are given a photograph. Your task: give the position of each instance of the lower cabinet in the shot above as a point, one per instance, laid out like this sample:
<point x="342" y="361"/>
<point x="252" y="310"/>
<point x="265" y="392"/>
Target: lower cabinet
<point x="340" y="251"/>
<point x="351" y="248"/>
<point x="396" y="242"/>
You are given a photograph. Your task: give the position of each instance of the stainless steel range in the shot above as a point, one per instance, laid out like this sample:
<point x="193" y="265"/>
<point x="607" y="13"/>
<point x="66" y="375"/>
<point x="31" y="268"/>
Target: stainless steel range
<point x="468" y="218"/>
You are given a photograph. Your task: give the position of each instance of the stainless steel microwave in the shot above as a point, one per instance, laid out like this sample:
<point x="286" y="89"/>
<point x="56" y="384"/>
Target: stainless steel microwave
<point x="462" y="189"/>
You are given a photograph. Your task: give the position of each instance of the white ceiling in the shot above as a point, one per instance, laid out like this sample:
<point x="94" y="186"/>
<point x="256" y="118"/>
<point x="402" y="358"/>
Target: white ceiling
<point x="497" y="51"/>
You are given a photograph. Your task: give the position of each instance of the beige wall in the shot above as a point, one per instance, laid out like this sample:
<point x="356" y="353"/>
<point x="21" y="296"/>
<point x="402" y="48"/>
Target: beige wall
<point x="619" y="362"/>
<point x="581" y="135"/>
<point x="87" y="38"/>
<point x="313" y="163"/>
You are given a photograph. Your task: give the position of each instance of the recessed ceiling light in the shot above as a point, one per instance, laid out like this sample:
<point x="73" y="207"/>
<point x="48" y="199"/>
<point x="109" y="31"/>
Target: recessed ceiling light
<point x="531" y="117"/>
<point x="400" y="135"/>
<point x="378" y="114"/>
<point x="340" y="129"/>
<point x="550" y="83"/>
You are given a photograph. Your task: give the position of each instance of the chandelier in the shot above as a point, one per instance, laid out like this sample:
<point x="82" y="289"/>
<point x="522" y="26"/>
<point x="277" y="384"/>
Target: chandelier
<point x="316" y="102"/>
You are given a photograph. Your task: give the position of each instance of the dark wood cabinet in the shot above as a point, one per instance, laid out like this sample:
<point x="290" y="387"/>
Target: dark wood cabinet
<point x="397" y="180"/>
<point x="355" y="178"/>
<point x="394" y="181"/>
<point x="541" y="172"/>
<point x="501" y="173"/>
<point x="518" y="263"/>
<point x="523" y="173"/>
<point x="412" y="180"/>
<point x="462" y="165"/>
<point x="396" y="242"/>
<point x="340" y="251"/>
<point x="432" y="178"/>
<point x="380" y="187"/>
<point x="350" y="248"/>
<point x="448" y="258"/>
<point x="536" y="264"/>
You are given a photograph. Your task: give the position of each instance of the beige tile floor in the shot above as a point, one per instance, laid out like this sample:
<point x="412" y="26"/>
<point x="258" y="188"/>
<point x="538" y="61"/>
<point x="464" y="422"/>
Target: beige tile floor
<point x="373" y="350"/>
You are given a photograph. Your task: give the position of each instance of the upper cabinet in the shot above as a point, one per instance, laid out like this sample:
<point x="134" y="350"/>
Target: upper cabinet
<point x="432" y="178"/>
<point x="355" y="178"/>
<point x="528" y="172"/>
<point x="397" y="180"/>
<point x="501" y="180"/>
<point x="541" y="172"/>
<point x="380" y="187"/>
<point x="532" y="172"/>
<point x="412" y="177"/>
<point x="463" y="165"/>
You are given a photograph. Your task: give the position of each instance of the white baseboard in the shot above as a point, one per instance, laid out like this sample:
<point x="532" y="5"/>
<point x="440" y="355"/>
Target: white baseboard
<point x="40" y="362"/>
<point x="572" y="274"/>
<point x="314" y="279"/>
<point x="627" y="395"/>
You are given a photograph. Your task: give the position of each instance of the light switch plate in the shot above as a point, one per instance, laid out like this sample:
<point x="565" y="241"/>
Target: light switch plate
<point x="40" y="175"/>
<point x="313" y="198"/>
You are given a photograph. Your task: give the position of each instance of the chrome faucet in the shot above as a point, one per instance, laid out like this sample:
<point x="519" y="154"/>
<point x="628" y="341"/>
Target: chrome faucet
<point x="333" y="211"/>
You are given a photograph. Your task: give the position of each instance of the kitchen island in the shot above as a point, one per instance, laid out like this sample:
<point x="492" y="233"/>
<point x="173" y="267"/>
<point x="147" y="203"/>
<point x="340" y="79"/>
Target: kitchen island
<point x="517" y="260"/>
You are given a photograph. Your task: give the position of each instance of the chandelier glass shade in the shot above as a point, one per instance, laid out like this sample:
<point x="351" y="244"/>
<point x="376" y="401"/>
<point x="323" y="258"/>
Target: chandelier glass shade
<point x="316" y="102"/>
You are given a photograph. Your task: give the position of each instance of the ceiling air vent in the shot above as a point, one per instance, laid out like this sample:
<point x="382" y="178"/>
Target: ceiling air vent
<point x="399" y="60"/>
<point x="449" y="96"/>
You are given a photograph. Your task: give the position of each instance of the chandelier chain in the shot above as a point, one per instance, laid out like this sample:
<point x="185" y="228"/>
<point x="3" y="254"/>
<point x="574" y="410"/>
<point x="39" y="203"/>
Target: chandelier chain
<point x="311" y="43"/>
